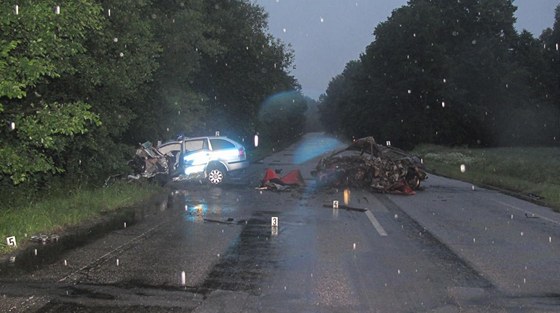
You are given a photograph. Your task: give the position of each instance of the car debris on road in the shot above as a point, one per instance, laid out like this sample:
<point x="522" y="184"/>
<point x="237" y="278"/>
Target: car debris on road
<point x="273" y="181"/>
<point x="366" y="164"/>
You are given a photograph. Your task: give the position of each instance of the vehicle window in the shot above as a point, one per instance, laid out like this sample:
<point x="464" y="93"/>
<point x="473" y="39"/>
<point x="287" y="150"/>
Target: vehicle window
<point x="170" y="148"/>
<point x="195" y="145"/>
<point x="220" y="144"/>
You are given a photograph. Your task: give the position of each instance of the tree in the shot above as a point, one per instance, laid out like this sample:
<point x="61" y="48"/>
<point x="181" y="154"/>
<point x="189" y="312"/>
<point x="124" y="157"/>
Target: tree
<point x="250" y="67"/>
<point x="37" y="45"/>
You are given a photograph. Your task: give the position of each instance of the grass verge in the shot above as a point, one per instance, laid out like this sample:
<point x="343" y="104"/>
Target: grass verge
<point x="528" y="171"/>
<point x="60" y="210"/>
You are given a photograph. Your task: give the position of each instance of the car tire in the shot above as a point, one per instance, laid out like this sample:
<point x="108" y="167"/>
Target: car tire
<point x="216" y="174"/>
<point x="413" y="181"/>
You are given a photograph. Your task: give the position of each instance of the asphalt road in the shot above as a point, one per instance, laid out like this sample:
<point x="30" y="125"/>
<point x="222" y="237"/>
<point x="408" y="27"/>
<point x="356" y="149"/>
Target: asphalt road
<point x="450" y="248"/>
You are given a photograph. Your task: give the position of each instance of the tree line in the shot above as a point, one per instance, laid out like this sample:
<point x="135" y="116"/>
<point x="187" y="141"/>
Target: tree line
<point x="83" y="82"/>
<point x="451" y="73"/>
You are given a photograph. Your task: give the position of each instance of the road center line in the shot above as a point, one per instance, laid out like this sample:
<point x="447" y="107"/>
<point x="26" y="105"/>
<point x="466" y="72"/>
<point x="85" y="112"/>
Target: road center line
<point x="376" y="224"/>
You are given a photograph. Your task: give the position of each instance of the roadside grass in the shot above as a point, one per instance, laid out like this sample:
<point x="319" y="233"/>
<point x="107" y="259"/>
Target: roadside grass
<point x="64" y="208"/>
<point x="528" y="171"/>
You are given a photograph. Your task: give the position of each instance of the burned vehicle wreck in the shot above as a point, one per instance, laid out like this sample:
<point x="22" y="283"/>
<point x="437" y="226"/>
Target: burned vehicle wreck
<point x="366" y="164"/>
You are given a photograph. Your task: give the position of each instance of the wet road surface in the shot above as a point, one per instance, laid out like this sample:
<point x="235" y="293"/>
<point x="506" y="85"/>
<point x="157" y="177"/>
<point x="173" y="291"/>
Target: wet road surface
<point x="213" y="249"/>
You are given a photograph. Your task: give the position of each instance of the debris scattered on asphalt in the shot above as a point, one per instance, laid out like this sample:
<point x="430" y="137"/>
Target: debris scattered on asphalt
<point x="44" y="239"/>
<point x="345" y="207"/>
<point x="366" y="164"/>
<point x="272" y="180"/>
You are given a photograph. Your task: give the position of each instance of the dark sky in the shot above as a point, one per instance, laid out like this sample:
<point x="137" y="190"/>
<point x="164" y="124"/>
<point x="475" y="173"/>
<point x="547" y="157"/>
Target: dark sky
<point x="326" y="34"/>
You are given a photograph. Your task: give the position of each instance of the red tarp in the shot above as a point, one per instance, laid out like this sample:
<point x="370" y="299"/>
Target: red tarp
<point x="292" y="178"/>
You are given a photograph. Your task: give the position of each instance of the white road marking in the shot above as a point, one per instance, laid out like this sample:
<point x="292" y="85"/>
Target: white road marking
<point x="527" y="212"/>
<point x="376" y="224"/>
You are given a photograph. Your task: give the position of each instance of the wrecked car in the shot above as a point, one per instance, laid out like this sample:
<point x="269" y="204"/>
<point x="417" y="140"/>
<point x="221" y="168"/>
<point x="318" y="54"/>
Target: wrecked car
<point x="211" y="158"/>
<point x="366" y="164"/>
<point x="149" y="162"/>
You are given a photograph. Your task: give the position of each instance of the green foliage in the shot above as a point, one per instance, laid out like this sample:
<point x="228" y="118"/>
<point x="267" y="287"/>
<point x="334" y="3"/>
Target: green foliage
<point x="524" y="170"/>
<point x="63" y="209"/>
<point x="81" y="88"/>
<point x="449" y="73"/>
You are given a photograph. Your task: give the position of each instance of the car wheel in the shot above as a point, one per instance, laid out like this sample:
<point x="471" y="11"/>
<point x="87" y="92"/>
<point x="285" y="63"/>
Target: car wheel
<point x="216" y="175"/>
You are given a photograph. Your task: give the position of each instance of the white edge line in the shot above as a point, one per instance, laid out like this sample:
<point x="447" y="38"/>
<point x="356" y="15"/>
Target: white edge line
<point x="527" y="212"/>
<point x="376" y="224"/>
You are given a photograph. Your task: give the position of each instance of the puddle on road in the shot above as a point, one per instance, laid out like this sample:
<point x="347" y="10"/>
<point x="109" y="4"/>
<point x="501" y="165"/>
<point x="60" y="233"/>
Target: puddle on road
<point x="216" y="205"/>
<point x="37" y="255"/>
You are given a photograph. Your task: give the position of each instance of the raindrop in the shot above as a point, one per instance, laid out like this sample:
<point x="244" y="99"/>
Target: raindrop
<point x="35" y="252"/>
<point x="455" y="33"/>
<point x="511" y="216"/>
<point x="118" y="262"/>
<point x="183" y="278"/>
<point x="57" y="9"/>
<point x="474" y="240"/>
<point x="444" y="80"/>
<point x="284" y="30"/>
<point x="443" y="104"/>
<point x="16" y="9"/>
<point x="12" y="125"/>
<point x="124" y="225"/>
<point x="218" y="255"/>
<point x="115" y="39"/>
<point x="472" y="187"/>
<point x="109" y="12"/>
<point x="524" y="280"/>
<point x="474" y="42"/>
<point x="463" y="168"/>
<point x="409" y="91"/>
<point x="396" y="216"/>
<point x="65" y="263"/>
<point x="521" y="234"/>
<point x="322" y="20"/>
<point x="557" y="47"/>
<point x="121" y="54"/>
<point x="398" y="272"/>
<point x="354" y="246"/>
<point x="549" y="239"/>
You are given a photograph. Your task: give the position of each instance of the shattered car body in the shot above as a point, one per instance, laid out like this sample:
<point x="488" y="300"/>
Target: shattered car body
<point x="210" y="158"/>
<point x="366" y="164"/>
<point x="149" y="162"/>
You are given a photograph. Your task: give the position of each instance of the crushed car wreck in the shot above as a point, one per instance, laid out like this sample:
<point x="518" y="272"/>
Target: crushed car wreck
<point x="366" y="164"/>
<point x="210" y="158"/>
